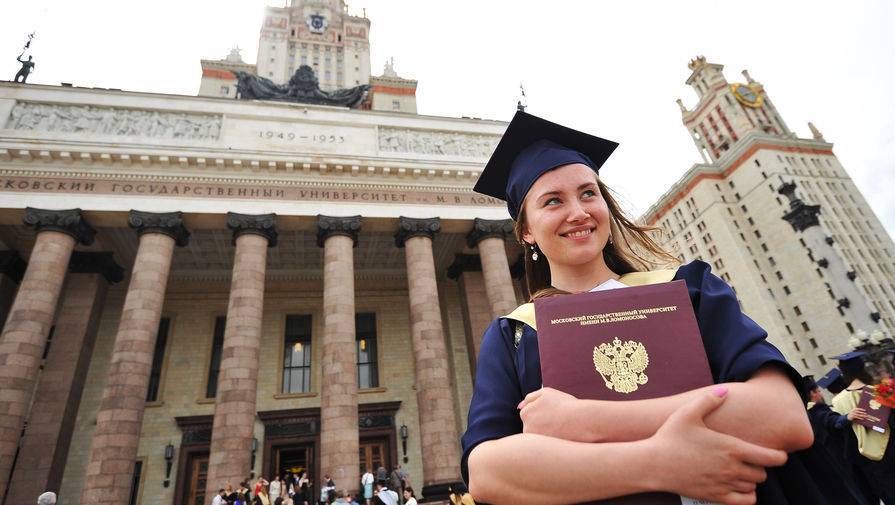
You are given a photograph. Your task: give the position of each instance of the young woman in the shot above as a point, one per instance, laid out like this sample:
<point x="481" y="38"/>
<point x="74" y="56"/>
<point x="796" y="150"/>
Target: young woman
<point x="713" y="443"/>
<point x="409" y="496"/>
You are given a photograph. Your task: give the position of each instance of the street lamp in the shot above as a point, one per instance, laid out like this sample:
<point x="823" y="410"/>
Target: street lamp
<point x="254" y="451"/>
<point x="404" y="435"/>
<point x="169" y="459"/>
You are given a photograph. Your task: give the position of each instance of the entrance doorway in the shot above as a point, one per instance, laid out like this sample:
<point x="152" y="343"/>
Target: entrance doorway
<point x="373" y="454"/>
<point x="292" y="459"/>
<point x="197" y="477"/>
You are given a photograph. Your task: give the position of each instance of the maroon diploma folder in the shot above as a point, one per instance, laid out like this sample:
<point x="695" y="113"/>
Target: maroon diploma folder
<point x="878" y="413"/>
<point x="622" y="344"/>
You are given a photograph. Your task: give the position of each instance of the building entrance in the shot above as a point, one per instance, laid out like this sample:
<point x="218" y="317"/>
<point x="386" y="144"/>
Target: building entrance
<point x="373" y="454"/>
<point x="196" y="479"/>
<point x="292" y="459"/>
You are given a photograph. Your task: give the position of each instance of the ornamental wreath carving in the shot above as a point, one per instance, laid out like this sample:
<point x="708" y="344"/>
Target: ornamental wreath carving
<point x="400" y="140"/>
<point x="113" y="121"/>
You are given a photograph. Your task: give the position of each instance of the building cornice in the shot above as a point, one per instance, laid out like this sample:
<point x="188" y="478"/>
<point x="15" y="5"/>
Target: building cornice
<point x="729" y="163"/>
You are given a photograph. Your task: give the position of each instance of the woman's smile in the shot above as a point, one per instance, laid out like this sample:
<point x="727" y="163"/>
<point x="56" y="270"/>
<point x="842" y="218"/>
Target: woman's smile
<point x="579" y="233"/>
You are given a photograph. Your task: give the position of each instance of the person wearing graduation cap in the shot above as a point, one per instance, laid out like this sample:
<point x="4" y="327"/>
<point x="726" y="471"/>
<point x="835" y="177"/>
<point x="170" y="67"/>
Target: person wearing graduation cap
<point x="870" y="451"/>
<point x="834" y="477"/>
<point x="713" y="443"/>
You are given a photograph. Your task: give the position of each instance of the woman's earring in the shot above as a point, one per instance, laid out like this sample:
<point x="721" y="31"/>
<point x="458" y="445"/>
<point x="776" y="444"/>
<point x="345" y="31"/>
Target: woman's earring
<point x="534" y="252"/>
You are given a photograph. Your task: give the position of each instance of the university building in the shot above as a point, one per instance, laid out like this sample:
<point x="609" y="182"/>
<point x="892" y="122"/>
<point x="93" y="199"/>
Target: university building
<point x="778" y="218"/>
<point x="198" y="289"/>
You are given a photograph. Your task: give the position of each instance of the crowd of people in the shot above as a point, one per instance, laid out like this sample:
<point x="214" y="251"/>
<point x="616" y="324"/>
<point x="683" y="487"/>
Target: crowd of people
<point x="298" y="489"/>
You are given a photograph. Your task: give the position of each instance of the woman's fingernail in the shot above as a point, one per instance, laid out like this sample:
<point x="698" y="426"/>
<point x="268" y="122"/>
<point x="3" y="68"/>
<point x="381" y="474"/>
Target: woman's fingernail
<point x="520" y="405"/>
<point x="720" y="391"/>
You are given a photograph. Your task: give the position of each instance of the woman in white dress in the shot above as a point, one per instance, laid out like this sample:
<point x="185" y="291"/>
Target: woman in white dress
<point x="275" y="487"/>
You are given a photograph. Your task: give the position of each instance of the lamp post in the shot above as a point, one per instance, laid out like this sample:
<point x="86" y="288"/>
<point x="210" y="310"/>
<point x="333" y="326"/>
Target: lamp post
<point x="169" y="460"/>
<point x="404" y="434"/>
<point x="254" y="451"/>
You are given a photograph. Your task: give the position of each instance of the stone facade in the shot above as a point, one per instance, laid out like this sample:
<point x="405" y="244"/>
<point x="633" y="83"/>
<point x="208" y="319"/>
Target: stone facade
<point x="335" y="166"/>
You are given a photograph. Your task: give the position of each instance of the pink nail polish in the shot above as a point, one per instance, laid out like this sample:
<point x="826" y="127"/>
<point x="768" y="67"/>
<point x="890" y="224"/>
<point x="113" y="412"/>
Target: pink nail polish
<point x="720" y="391"/>
<point x="520" y="405"/>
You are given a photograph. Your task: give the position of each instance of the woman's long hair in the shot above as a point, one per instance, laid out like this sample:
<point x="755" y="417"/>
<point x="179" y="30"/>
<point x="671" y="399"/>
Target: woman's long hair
<point x="631" y="249"/>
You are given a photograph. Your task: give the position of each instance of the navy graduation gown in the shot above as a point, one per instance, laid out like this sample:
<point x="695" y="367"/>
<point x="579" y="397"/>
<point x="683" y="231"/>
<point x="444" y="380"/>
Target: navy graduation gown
<point x="735" y="345"/>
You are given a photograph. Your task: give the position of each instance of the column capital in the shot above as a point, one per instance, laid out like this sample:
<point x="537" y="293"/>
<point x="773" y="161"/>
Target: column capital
<point x="264" y="225"/>
<point x="415" y="227"/>
<point x="166" y="223"/>
<point x="71" y="222"/>
<point x="96" y="263"/>
<point x="464" y="263"/>
<point x="328" y="226"/>
<point x="12" y="265"/>
<point x="486" y="228"/>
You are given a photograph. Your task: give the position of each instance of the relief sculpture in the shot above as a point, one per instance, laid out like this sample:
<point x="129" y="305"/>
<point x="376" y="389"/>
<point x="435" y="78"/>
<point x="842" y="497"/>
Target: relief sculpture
<point x="438" y="143"/>
<point x="113" y="121"/>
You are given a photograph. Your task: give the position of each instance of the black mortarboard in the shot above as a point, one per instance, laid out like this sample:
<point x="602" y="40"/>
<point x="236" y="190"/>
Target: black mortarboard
<point x="849" y="356"/>
<point x="529" y="148"/>
<point x="829" y="378"/>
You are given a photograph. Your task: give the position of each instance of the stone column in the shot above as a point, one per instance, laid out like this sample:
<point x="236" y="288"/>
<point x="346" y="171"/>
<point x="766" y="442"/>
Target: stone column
<point x="339" y="433"/>
<point x="28" y="324"/>
<point x="110" y="465"/>
<point x="234" y="410"/>
<point x="467" y="270"/>
<point x="44" y="446"/>
<point x="12" y="269"/>
<point x="489" y="235"/>
<point x="438" y="427"/>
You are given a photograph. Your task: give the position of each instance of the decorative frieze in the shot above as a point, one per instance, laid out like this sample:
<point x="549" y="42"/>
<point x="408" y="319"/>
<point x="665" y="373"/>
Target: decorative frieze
<point x="70" y="222"/>
<point x="328" y="226"/>
<point x="87" y="119"/>
<point x="166" y="223"/>
<point x="484" y="228"/>
<point x="413" y="227"/>
<point x="257" y="224"/>
<point x="403" y="140"/>
<point x="96" y="263"/>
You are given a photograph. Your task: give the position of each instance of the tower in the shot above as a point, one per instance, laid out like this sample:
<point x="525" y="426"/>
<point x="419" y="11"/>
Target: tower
<point x="727" y="111"/>
<point x="317" y="33"/>
<point x="779" y="219"/>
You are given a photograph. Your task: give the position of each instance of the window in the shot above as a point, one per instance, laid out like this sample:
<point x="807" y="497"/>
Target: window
<point x="297" y="354"/>
<point x="158" y="358"/>
<point x="797" y="310"/>
<point x="779" y="275"/>
<point x="796" y="345"/>
<point x="822" y="360"/>
<point x="786" y="289"/>
<point x="214" y="364"/>
<point x="225" y="90"/>
<point x="813" y="343"/>
<point x="851" y="328"/>
<point x="396" y="104"/>
<point x="135" y="483"/>
<point x="367" y="366"/>
<point x="805" y="326"/>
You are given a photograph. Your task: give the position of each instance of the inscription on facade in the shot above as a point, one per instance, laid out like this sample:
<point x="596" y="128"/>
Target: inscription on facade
<point x="402" y="140"/>
<point x="113" y="121"/>
<point x="240" y="191"/>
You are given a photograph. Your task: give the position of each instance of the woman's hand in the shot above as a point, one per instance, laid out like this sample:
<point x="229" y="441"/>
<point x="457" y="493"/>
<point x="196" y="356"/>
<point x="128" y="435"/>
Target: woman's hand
<point x="552" y="413"/>
<point x="857" y="414"/>
<point x="694" y="461"/>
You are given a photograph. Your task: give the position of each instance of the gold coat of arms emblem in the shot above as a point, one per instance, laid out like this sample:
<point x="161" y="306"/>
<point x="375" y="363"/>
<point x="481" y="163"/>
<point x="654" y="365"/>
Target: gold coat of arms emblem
<point x="622" y="364"/>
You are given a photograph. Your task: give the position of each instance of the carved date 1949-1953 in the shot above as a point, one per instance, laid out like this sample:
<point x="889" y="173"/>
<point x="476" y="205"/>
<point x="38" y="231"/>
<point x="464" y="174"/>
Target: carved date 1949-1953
<point x="292" y="137"/>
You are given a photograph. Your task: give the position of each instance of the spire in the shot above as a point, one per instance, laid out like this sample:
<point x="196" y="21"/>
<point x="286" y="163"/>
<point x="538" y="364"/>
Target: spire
<point x="235" y="56"/>
<point x="748" y="77"/>
<point x="680" y="103"/>
<point x="389" y="70"/>
<point x="815" y="132"/>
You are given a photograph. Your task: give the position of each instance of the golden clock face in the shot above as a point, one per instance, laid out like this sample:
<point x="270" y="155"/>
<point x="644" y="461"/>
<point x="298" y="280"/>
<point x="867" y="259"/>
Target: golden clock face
<point x="746" y="95"/>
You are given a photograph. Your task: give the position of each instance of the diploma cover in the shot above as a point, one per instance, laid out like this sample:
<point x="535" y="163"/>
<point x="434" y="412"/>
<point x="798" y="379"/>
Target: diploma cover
<point x="877" y="412"/>
<point x="622" y="344"/>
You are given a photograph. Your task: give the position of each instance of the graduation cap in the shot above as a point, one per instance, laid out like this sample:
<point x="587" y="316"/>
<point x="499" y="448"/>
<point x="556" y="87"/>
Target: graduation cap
<point x="531" y="147"/>
<point x="828" y="379"/>
<point x="849" y="356"/>
<point x="851" y="362"/>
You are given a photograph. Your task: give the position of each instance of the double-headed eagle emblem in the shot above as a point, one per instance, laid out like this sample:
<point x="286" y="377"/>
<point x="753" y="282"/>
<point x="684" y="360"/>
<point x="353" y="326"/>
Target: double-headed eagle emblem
<point x="621" y="364"/>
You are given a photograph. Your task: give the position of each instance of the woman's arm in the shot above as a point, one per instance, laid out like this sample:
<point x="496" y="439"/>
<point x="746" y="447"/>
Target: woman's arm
<point x="765" y="410"/>
<point x="683" y="457"/>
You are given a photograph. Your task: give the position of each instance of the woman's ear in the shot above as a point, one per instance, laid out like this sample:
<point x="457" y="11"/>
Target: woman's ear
<point x="527" y="237"/>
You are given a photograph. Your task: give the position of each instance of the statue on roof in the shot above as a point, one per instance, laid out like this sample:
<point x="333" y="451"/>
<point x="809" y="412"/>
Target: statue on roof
<point x="27" y="65"/>
<point x="303" y="87"/>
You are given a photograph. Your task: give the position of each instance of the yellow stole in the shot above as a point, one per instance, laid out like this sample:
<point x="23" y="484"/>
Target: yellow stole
<point x="871" y="444"/>
<point x="525" y="313"/>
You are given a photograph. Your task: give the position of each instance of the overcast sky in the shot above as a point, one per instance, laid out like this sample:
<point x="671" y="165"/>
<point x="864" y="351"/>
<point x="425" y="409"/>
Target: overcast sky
<point x="613" y="69"/>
